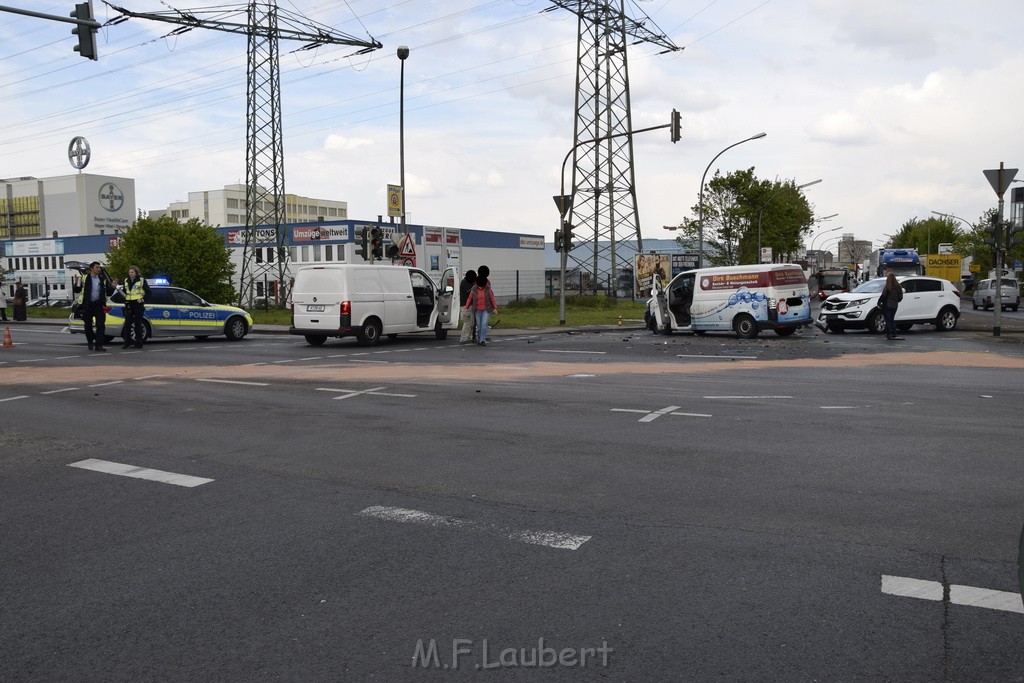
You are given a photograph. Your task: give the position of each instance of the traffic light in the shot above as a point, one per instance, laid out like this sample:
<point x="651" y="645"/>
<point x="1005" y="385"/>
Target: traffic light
<point x="567" y="236"/>
<point x="1014" y="235"/>
<point x="558" y="241"/>
<point x="677" y="126"/>
<point x="377" y="243"/>
<point x="364" y="244"/>
<point x="995" y="232"/>
<point x="86" y="34"/>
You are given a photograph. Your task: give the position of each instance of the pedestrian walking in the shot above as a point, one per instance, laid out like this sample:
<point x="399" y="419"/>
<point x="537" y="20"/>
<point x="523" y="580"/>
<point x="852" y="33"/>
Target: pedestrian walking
<point x="468" y="317"/>
<point x="658" y="288"/>
<point x="485" y="272"/>
<point x="481" y="302"/>
<point x="3" y="303"/>
<point x="889" y="301"/>
<point x="135" y="292"/>
<point x="93" y="290"/>
<point x="20" y="299"/>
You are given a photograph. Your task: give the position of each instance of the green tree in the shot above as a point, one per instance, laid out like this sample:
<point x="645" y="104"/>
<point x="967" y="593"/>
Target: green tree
<point x="926" y="235"/>
<point x="192" y="255"/>
<point x="732" y="205"/>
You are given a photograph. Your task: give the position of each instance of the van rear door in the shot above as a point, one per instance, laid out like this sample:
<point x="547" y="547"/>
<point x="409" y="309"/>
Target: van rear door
<point x="316" y="298"/>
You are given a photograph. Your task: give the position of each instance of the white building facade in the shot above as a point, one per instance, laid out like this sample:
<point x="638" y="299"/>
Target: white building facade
<point x="226" y="208"/>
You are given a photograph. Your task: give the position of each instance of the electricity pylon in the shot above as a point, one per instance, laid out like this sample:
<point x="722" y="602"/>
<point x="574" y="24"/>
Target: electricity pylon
<point x="264" y="157"/>
<point x="604" y="209"/>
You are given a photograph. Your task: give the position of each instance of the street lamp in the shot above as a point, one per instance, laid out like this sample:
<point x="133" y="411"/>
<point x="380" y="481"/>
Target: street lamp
<point x="700" y="205"/>
<point x="761" y="214"/>
<point x="403" y="53"/>
<point x="823" y="232"/>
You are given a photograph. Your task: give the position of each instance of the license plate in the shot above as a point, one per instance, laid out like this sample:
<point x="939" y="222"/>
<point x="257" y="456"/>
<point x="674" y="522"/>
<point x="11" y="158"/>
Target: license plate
<point x="315" y="309"/>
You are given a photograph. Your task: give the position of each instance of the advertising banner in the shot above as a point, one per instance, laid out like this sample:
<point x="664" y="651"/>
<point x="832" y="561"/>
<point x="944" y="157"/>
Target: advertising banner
<point x="318" y="233"/>
<point x="644" y="266"/>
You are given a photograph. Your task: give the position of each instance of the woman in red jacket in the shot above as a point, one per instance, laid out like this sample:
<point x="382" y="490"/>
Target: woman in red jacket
<point x="481" y="301"/>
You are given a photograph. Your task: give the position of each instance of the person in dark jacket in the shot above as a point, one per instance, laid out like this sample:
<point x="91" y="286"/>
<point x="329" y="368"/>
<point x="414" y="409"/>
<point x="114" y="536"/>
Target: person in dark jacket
<point x="93" y="290"/>
<point x="892" y="295"/>
<point x="482" y="303"/>
<point x="468" y="319"/>
<point x="20" y="299"/>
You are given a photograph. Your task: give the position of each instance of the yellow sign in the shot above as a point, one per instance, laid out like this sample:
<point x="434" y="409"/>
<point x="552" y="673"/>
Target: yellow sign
<point x="395" y="200"/>
<point x="974" y="267"/>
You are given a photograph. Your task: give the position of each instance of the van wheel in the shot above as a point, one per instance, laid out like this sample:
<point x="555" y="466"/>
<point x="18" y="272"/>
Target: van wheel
<point x="235" y="329"/>
<point x="369" y="333"/>
<point x="744" y="326"/>
<point x="946" y="322"/>
<point x="315" y="339"/>
<point x="784" y="331"/>
<point x="439" y="331"/>
<point x="876" y="322"/>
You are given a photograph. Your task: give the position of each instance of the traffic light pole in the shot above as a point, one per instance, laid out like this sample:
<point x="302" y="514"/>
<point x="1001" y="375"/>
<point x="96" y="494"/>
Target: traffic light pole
<point x="91" y="25"/>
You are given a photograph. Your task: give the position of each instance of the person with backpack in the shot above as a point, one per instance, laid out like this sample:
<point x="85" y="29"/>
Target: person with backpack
<point x="889" y="301"/>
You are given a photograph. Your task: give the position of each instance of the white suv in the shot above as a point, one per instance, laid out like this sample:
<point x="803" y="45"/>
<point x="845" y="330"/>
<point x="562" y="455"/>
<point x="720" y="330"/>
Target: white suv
<point x="926" y="301"/>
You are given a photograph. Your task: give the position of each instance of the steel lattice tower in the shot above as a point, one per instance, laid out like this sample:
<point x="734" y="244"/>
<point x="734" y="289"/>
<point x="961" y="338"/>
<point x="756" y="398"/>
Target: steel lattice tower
<point x="264" y="156"/>
<point x="604" y="209"/>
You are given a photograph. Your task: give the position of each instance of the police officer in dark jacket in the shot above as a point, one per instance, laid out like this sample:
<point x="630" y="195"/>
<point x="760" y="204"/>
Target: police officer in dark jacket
<point x="93" y="290"/>
<point x="135" y="292"/>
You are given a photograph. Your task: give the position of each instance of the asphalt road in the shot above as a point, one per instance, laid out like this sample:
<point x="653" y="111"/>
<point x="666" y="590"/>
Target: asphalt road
<point x="663" y="508"/>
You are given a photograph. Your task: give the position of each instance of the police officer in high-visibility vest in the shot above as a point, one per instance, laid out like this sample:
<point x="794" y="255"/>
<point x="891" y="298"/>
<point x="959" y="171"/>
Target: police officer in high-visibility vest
<point x="135" y="291"/>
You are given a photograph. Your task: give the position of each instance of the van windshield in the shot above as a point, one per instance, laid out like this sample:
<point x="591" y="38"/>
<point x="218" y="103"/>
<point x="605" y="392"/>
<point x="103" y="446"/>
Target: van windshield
<point x="317" y="280"/>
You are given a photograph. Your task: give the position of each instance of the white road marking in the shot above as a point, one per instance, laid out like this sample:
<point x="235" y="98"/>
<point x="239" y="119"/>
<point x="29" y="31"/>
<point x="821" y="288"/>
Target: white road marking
<point x="290" y="360"/>
<point x="233" y="381"/>
<point x="312" y="358"/>
<point x="581" y="375"/>
<point x="31" y="360"/>
<point x="367" y="360"/>
<point x="745" y="397"/>
<point x="147" y="377"/>
<point x="699" y="355"/>
<point x="58" y="391"/>
<point x="693" y="414"/>
<point x="837" y="407"/>
<point x="254" y="364"/>
<point x="107" y="384"/>
<point x="599" y="353"/>
<point x="969" y="596"/>
<point x="66" y="357"/>
<point x="550" y="539"/>
<point x="650" y="415"/>
<point x="349" y="393"/>
<point x="122" y="470"/>
<point x="11" y="398"/>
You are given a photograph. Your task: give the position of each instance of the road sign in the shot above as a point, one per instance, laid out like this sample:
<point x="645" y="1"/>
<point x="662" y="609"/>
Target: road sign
<point x="563" y="202"/>
<point x="766" y="254"/>
<point x="1000" y="178"/>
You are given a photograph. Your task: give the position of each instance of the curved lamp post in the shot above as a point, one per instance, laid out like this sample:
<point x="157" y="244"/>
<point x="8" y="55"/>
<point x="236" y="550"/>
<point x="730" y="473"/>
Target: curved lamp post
<point x="761" y="214"/>
<point x="700" y="204"/>
<point x="823" y="232"/>
<point x="403" y="53"/>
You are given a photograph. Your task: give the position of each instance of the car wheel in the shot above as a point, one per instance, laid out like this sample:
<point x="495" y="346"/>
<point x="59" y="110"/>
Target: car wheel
<point x="369" y="333"/>
<point x="235" y="329"/>
<point x="744" y="326"/>
<point x="946" y="322"/>
<point x="975" y="305"/>
<point x="439" y="331"/>
<point x="835" y="328"/>
<point x="784" y="331"/>
<point x="876" y="322"/>
<point x="315" y="339"/>
<point x="149" y="329"/>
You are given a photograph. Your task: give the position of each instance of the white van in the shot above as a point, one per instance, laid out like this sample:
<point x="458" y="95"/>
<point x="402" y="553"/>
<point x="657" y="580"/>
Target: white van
<point x="370" y="300"/>
<point x="985" y="294"/>
<point x="744" y="299"/>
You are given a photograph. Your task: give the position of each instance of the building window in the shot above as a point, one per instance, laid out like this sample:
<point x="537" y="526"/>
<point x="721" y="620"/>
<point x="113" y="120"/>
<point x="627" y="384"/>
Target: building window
<point x="316" y="252"/>
<point x="305" y="255"/>
<point x="259" y="255"/>
<point x="328" y="252"/>
<point x="270" y="254"/>
<point x="232" y="203"/>
<point x="233" y="218"/>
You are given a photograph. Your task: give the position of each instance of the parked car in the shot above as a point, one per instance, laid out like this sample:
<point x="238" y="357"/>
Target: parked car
<point x="173" y="312"/>
<point x="985" y="294"/>
<point x="926" y="301"/>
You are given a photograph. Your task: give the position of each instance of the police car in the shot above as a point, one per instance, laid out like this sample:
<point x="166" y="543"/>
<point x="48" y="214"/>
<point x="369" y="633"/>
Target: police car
<point x="174" y="312"/>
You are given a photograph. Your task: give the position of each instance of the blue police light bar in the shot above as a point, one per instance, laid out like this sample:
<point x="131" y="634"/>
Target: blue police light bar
<point x="163" y="281"/>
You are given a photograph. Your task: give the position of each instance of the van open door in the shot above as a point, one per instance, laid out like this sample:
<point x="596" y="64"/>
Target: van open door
<point x="448" y="294"/>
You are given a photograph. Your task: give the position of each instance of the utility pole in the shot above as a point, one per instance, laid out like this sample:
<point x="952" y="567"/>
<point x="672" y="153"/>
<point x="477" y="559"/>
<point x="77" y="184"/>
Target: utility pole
<point x="264" y="157"/>
<point x="603" y="185"/>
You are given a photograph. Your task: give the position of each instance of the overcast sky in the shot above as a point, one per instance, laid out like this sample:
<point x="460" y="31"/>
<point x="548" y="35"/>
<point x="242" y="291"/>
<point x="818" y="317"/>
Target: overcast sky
<point x="897" y="105"/>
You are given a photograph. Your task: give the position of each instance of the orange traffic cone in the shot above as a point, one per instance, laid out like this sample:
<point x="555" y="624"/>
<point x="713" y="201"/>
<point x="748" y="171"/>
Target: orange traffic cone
<point x="8" y="342"/>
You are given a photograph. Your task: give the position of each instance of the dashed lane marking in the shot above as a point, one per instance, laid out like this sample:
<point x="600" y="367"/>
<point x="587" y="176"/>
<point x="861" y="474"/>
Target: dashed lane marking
<point x="147" y="377"/>
<point x="233" y="381"/>
<point x="970" y="596"/>
<point x="107" y="384"/>
<point x="11" y="398"/>
<point x="375" y="391"/>
<point x="838" y="407"/>
<point x="652" y="415"/>
<point x="367" y="360"/>
<point x="120" y="469"/>
<point x="596" y="353"/>
<point x="550" y="539"/>
<point x="746" y="397"/>
<point x="58" y="391"/>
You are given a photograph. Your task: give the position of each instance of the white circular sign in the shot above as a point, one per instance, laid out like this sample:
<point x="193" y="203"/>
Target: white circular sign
<point x="79" y="152"/>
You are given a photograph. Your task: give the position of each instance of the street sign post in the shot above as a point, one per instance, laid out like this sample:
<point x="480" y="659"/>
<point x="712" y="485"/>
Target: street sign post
<point x="1000" y="179"/>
